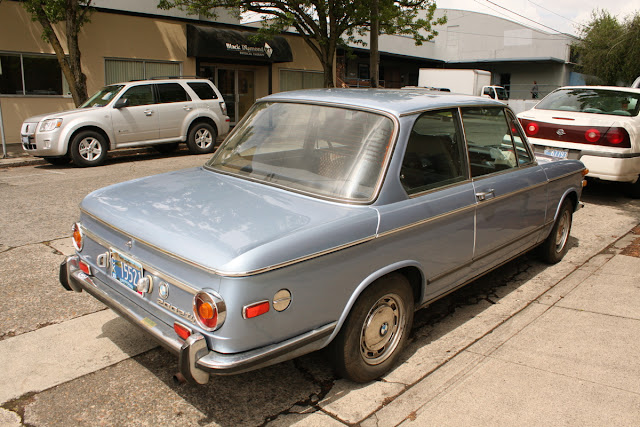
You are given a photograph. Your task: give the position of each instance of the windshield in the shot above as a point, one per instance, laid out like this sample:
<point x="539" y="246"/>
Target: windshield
<point x="326" y="151"/>
<point x="103" y="97"/>
<point x="595" y="101"/>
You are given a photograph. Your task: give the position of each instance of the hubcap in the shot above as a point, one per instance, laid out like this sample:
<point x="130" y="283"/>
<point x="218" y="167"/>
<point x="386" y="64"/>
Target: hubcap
<point x="382" y="329"/>
<point x="90" y="149"/>
<point x="563" y="231"/>
<point x="203" y="138"/>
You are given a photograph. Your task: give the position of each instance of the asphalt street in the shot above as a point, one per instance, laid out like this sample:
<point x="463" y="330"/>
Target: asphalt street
<point x="528" y="344"/>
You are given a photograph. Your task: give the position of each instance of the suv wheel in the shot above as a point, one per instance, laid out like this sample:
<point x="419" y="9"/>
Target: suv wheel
<point x="88" y="148"/>
<point x="202" y="138"/>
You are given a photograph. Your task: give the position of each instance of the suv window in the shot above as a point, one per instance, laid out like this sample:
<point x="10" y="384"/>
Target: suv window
<point x="434" y="154"/>
<point x="489" y="140"/>
<point x="203" y="90"/>
<point x="172" y="92"/>
<point x="139" y="95"/>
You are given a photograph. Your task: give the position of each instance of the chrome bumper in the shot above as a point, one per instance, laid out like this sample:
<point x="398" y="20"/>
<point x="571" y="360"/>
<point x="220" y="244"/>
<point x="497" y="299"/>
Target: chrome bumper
<point x="195" y="360"/>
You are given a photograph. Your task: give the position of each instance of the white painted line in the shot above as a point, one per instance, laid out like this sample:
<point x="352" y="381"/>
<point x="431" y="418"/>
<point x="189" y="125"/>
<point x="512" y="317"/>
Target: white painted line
<point x="50" y="356"/>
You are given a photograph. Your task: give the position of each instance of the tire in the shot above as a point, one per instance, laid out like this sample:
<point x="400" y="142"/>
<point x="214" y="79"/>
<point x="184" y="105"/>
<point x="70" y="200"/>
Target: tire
<point x="166" y="148"/>
<point x="88" y="148"/>
<point x="376" y="330"/>
<point x="58" y="161"/>
<point x="202" y="138"/>
<point x="554" y="248"/>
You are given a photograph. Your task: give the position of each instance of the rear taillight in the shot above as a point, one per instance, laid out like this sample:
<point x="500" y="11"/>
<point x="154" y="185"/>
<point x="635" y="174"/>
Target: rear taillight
<point x="616" y="136"/>
<point x="531" y="128"/>
<point x="209" y="310"/>
<point x="78" y="238"/>
<point x="564" y="132"/>
<point x="592" y="135"/>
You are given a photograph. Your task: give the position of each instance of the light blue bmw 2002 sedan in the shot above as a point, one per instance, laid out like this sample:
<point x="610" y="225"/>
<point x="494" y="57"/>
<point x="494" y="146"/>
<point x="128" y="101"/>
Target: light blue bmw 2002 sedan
<point x="325" y="219"/>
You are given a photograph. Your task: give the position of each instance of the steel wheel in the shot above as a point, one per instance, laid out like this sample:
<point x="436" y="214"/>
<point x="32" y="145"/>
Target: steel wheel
<point x="554" y="248"/>
<point x="375" y="331"/>
<point x="382" y="329"/>
<point x="562" y="234"/>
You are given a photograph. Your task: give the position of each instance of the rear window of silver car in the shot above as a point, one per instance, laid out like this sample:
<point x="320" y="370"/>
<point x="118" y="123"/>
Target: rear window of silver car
<point x="331" y="152"/>
<point x="595" y="101"/>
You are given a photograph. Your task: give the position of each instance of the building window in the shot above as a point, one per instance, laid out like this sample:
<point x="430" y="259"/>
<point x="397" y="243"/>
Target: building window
<point x="295" y="79"/>
<point x="28" y="74"/>
<point x="124" y="70"/>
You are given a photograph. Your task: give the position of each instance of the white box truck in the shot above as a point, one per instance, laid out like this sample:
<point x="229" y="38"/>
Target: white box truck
<point x="468" y="82"/>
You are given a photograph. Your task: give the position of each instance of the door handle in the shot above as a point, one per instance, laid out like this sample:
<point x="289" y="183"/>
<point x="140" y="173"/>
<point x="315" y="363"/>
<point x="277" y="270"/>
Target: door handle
<point x="185" y="108"/>
<point x="485" y="195"/>
<point x="148" y="112"/>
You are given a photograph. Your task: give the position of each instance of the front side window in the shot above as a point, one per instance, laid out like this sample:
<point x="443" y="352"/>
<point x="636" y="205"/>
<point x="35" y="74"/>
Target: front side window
<point x="330" y="152"/>
<point x="594" y="101"/>
<point x="139" y="95"/>
<point x="488" y="140"/>
<point x="434" y="154"/>
<point x="172" y="92"/>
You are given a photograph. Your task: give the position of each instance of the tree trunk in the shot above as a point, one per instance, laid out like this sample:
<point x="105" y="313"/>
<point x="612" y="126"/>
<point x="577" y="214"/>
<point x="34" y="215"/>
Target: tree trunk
<point x="73" y="29"/>
<point x="374" y="54"/>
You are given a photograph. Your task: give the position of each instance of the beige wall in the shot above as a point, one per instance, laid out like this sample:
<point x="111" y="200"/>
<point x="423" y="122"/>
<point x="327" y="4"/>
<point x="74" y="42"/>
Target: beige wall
<point x="303" y="59"/>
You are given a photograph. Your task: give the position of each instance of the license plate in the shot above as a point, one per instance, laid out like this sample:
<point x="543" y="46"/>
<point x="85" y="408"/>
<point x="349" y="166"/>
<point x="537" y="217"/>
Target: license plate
<point x="557" y="153"/>
<point x="125" y="270"/>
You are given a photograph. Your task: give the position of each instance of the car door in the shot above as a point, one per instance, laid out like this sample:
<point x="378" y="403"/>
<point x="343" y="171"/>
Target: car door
<point x="510" y="188"/>
<point x="435" y="225"/>
<point x="138" y="120"/>
<point x="174" y="106"/>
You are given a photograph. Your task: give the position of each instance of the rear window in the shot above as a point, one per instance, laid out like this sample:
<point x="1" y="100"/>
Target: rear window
<point x="203" y="90"/>
<point x="172" y="92"/>
<point x="595" y="101"/>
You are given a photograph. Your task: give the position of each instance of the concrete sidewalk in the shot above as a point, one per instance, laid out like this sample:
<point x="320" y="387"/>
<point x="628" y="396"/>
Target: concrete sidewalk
<point x="572" y="357"/>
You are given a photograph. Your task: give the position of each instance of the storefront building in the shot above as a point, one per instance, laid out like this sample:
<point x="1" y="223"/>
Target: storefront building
<point x="122" y="45"/>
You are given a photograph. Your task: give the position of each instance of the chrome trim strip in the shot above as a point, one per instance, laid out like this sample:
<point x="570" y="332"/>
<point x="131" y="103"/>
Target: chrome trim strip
<point x="538" y="229"/>
<point x="452" y="107"/>
<point x="513" y="193"/>
<point x="610" y="155"/>
<point x="427" y="220"/>
<point x="228" y="273"/>
<point x="566" y="175"/>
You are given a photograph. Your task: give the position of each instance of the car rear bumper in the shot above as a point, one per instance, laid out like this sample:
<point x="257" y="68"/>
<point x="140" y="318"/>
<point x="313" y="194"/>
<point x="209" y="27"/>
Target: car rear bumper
<point x="606" y="165"/>
<point x="195" y="360"/>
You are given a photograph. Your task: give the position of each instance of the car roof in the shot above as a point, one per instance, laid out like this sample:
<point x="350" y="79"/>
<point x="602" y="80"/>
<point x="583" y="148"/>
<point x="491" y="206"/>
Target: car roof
<point x="611" y="88"/>
<point x="395" y="101"/>
<point x="167" y="80"/>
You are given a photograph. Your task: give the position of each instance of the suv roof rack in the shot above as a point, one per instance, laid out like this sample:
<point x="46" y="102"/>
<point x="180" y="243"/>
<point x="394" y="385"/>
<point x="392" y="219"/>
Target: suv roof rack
<point x="168" y="78"/>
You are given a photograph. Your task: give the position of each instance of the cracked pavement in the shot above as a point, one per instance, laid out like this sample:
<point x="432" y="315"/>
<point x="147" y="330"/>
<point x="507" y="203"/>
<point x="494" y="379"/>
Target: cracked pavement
<point x="113" y="376"/>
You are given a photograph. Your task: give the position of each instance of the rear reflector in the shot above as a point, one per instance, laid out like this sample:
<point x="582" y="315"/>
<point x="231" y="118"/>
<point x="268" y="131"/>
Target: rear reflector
<point x="84" y="267"/>
<point x="182" y="331"/>
<point x="255" y="309"/>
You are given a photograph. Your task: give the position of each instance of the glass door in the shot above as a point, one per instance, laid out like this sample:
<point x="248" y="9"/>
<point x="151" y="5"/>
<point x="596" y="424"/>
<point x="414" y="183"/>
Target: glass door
<point x="238" y="90"/>
<point x="246" y="92"/>
<point x="226" y="83"/>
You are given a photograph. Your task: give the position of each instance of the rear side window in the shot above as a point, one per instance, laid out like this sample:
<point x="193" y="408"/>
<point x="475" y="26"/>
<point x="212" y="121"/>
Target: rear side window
<point x="434" y="154"/>
<point x="203" y="90"/>
<point x="172" y="92"/>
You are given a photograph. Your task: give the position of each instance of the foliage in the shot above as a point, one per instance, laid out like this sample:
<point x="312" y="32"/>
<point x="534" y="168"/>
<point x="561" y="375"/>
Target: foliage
<point x="74" y="14"/>
<point x="324" y="23"/>
<point x="610" y="50"/>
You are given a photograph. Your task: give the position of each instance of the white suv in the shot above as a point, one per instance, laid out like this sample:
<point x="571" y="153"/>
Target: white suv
<point x="162" y="113"/>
